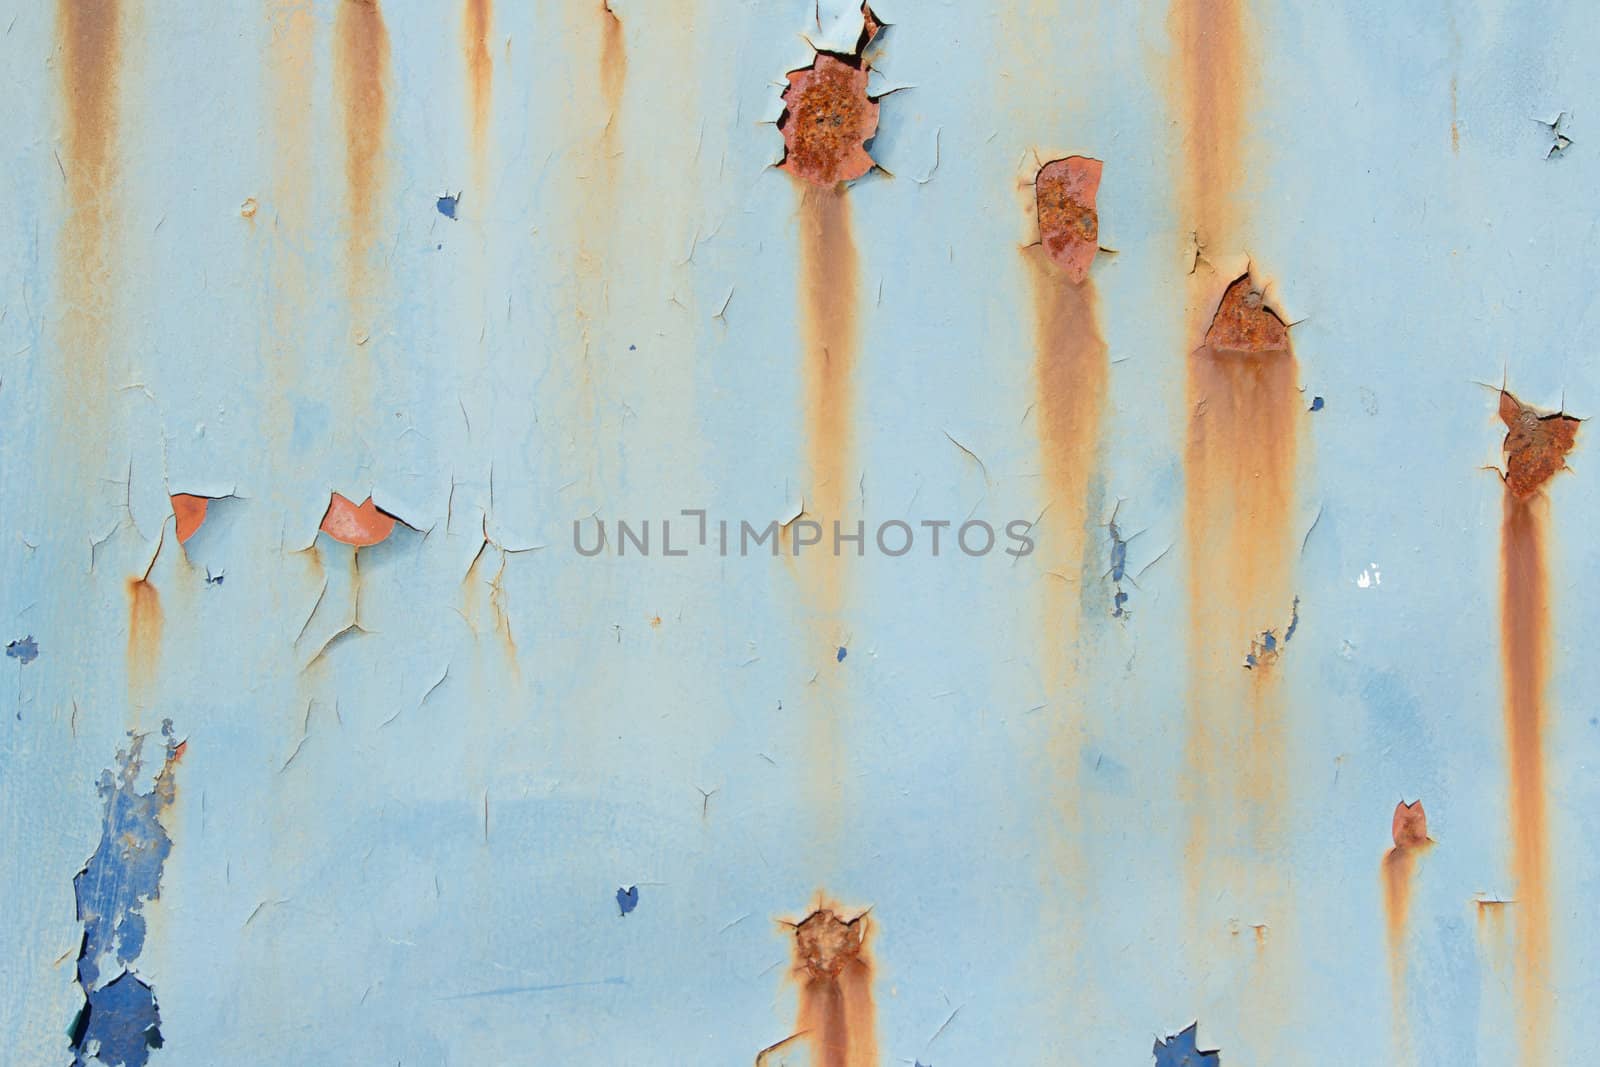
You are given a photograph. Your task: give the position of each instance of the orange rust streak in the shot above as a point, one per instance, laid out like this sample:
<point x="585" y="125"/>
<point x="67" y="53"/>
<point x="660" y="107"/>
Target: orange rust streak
<point x="144" y="634"/>
<point x="363" y="75"/>
<point x="1524" y="648"/>
<point x="828" y="294"/>
<point x="1399" y="863"/>
<point x="477" y="27"/>
<point x="1213" y="65"/>
<point x="836" y="1017"/>
<point x="613" y="61"/>
<point x="89" y="39"/>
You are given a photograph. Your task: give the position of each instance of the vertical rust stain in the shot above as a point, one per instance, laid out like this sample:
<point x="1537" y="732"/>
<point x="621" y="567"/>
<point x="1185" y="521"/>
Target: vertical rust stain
<point x="90" y="41"/>
<point x="1213" y="72"/>
<point x="829" y="282"/>
<point x="1239" y="465"/>
<point x="1536" y="446"/>
<point x="362" y="62"/>
<point x="1071" y="371"/>
<point x="477" y="26"/>
<point x="144" y="635"/>
<point x="836" y="1018"/>
<point x="613" y="62"/>
<point x="1410" y="833"/>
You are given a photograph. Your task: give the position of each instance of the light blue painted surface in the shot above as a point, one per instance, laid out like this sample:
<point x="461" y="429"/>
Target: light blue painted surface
<point x="332" y="895"/>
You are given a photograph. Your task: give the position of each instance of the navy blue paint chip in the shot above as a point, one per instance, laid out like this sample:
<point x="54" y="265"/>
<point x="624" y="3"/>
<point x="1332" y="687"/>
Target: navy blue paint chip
<point x="447" y="205"/>
<point x="26" y="649"/>
<point x="627" y="899"/>
<point x="841" y="654"/>
<point x="1181" y="1050"/>
<point x="1316" y="403"/>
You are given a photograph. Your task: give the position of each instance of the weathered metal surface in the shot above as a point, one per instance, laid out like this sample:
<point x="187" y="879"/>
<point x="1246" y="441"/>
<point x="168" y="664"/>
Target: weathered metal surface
<point x="443" y="430"/>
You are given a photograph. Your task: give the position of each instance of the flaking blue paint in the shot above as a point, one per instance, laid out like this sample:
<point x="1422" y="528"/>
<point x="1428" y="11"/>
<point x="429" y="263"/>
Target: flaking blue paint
<point x="120" y="1022"/>
<point x="1181" y="1050"/>
<point x="25" y="649"/>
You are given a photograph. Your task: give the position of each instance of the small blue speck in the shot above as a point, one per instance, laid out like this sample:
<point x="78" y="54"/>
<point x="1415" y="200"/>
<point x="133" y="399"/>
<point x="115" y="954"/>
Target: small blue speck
<point x="628" y="899"/>
<point x="447" y="205"/>
<point x="1316" y="403"/>
<point x="841" y="654"/>
<point x="633" y="348"/>
<point x="27" y="649"/>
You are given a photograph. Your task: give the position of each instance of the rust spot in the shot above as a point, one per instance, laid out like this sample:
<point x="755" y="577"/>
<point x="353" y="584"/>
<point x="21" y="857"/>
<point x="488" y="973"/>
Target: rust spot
<point x="1536" y="445"/>
<point x="1410" y="825"/>
<point x="477" y="25"/>
<point x="190" y="512"/>
<point x="144" y="633"/>
<point x="828" y="118"/>
<point x="831" y="964"/>
<point x="249" y="208"/>
<point x="1069" y="226"/>
<point x="360" y="525"/>
<point x="829" y="287"/>
<point x="363" y="76"/>
<point x="1455" y="123"/>
<point x="1244" y="324"/>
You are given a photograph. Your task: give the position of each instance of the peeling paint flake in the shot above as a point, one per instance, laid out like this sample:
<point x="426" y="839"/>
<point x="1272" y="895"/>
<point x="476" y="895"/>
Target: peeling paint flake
<point x="828" y="118"/>
<point x="120" y="1022"/>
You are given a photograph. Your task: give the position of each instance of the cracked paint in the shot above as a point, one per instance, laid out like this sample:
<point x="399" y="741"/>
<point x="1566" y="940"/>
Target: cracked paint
<point x="836" y="1020"/>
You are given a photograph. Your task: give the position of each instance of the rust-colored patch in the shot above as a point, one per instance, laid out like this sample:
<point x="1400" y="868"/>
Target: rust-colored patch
<point x="1069" y="226"/>
<point x="1455" y="122"/>
<point x="1536" y="445"/>
<point x="828" y="118"/>
<point x="1409" y="827"/>
<point x="362" y="59"/>
<point x="834" y="971"/>
<point x="1213" y="73"/>
<point x="189" y="511"/>
<point x="1244" y="324"/>
<point x="613" y="59"/>
<point x="144" y="634"/>
<point x="356" y="524"/>
<point x="477" y="25"/>
<point x="829" y="287"/>
<point x="1524" y="637"/>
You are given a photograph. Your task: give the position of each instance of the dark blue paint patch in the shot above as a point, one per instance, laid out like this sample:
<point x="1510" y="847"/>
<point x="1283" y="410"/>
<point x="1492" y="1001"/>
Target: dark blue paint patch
<point x="839" y="656"/>
<point x="1267" y="648"/>
<point x="447" y="205"/>
<point x="1182" y="1050"/>
<point x="1316" y="403"/>
<point x="627" y="899"/>
<point x="633" y="348"/>
<point x="1294" y="621"/>
<point x="119" y="1023"/>
<point x="1119" y="565"/>
<point x="26" y="650"/>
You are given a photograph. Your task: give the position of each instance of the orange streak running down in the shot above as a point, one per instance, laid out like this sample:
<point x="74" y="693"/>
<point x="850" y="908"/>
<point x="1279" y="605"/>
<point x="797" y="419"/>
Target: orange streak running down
<point x="836" y="1021"/>
<point x="1213" y="69"/>
<point x="144" y="636"/>
<point x="89" y="38"/>
<point x="477" y="25"/>
<point x="829" y="280"/>
<point x="362" y="59"/>
<point x="1071" y="371"/>
<point x="1536" y="447"/>
<point x="1523" y="621"/>
<point x="1399" y="863"/>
